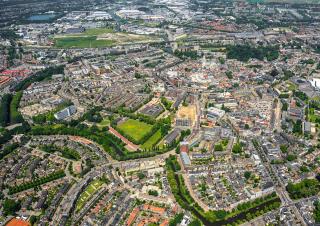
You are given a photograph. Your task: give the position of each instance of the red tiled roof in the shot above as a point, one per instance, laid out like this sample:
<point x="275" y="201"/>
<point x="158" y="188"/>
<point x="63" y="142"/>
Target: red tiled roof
<point x="17" y="222"/>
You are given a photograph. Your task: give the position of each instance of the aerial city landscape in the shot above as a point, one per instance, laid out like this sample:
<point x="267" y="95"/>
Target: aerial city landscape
<point x="159" y="112"/>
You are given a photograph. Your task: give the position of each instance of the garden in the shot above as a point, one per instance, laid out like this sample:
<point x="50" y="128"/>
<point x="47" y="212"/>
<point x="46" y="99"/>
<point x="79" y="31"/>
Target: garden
<point x="88" y="193"/>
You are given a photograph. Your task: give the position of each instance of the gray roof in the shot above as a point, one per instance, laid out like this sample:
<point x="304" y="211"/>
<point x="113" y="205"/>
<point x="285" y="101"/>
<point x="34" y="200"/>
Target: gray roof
<point x="172" y="136"/>
<point x="185" y="158"/>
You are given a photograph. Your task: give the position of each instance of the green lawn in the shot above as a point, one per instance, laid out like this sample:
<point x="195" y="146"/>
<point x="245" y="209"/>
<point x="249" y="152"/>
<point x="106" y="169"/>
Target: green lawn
<point x="82" y="42"/>
<point x="97" y="31"/>
<point x="87" y="194"/>
<point x="91" y="38"/>
<point x="57" y="126"/>
<point x="104" y="123"/>
<point x="153" y="140"/>
<point x="312" y="117"/>
<point x="291" y="86"/>
<point x="135" y="129"/>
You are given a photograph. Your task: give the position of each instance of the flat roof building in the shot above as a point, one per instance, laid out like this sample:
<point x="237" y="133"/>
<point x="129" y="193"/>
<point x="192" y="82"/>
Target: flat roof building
<point x="185" y="159"/>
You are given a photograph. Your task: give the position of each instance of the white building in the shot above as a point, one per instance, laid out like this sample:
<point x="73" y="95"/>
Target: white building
<point x="215" y="113"/>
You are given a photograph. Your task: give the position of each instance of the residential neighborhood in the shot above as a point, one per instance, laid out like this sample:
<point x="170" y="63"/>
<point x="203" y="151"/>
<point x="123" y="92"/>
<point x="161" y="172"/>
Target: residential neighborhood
<point x="161" y="112"/>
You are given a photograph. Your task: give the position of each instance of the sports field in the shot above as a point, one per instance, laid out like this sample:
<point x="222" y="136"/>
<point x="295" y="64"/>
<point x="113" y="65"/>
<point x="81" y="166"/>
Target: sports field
<point x="87" y="194"/>
<point x="135" y="128"/>
<point x="82" y="42"/>
<point x="98" y="37"/>
<point x="153" y="140"/>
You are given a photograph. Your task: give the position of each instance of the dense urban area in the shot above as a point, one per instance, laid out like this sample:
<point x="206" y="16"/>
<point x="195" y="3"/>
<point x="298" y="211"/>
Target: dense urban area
<point x="159" y="112"/>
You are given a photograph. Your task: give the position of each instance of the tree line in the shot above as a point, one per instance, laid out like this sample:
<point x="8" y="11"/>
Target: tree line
<point x="247" y="52"/>
<point x="9" y="113"/>
<point x="38" y="77"/>
<point x="8" y="149"/>
<point x="37" y="182"/>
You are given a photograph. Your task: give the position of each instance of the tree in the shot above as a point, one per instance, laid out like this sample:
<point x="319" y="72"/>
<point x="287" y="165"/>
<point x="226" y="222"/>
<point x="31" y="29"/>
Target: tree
<point x="166" y="103"/>
<point x="304" y="169"/>
<point x="316" y="212"/>
<point x="10" y="206"/>
<point x="297" y="127"/>
<point x="247" y="175"/>
<point x="153" y="193"/>
<point x="8" y="34"/>
<point x="176" y="220"/>
<point x="226" y="109"/>
<point x="229" y="74"/>
<point x="218" y="147"/>
<point x="284" y="148"/>
<point x="246" y="52"/>
<point x="237" y="148"/>
<point x="141" y="175"/>
<point x="195" y="222"/>
<point x="221" y="60"/>
<point x="274" y="72"/>
<point x="5" y="109"/>
<point x="301" y="95"/>
<point x="284" y="106"/>
<point x="15" y="116"/>
<point x="291" y="157"/>
<point x="33" y="220"/>
<point x="303" y="189"/>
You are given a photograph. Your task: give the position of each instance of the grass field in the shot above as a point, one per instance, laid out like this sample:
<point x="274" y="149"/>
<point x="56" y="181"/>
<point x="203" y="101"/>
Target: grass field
<point x="82" y="42"/>
<point x="87" y="194"/>
<point x="153" y="140"/>
<point x="88" y="33"/>
<point x="312" y="117"/>
<point x="98" y="31"/>
<point x="104" y="123"/>
<point x="95" y="38"/>
<point x="291" y="86"/>
<point x="135" y="128"/>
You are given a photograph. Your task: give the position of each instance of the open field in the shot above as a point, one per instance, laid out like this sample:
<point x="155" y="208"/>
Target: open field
<point x="135" y="129"/>
<point x="87" y="194"/>
<point x="104" y="123"/>
<point x="153" y="140"/>
<point x="98" y="31"/>
<point x="291" y="86"/>
<point x="87" y="33"/>
<point x="82" y="42"/>
<point x="99" y="37"/>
